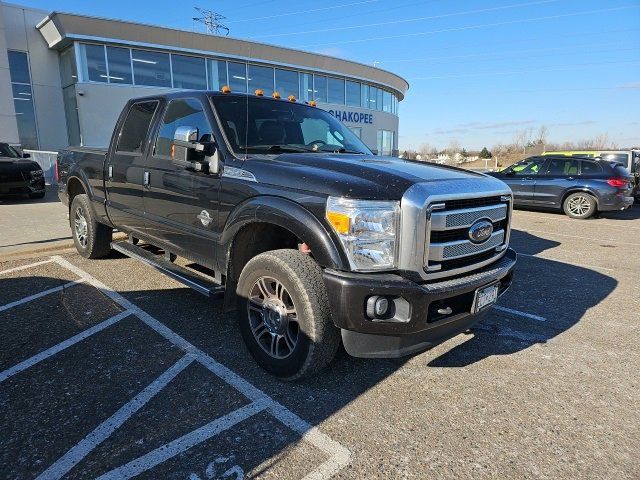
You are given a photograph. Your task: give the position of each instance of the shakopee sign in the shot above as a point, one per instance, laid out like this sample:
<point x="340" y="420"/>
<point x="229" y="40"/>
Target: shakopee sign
<point x="352" y="117"/>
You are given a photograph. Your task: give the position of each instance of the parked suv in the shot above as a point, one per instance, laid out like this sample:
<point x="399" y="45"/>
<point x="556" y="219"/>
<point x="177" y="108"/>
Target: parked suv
<point x="579" y="186"/>
<point x="311" y="238"/>
<point x="19" y="176"/>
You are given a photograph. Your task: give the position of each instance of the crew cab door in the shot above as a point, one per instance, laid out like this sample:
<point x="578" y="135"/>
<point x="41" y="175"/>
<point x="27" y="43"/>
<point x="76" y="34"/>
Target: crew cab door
<point x="558" y="175"/>
<point x="521" y="178"/>
<point x="181" y="204"/>
<point x="124" y="168"/>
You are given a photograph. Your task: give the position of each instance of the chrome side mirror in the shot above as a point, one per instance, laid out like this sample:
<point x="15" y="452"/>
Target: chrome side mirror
<point x="184" y="139"/>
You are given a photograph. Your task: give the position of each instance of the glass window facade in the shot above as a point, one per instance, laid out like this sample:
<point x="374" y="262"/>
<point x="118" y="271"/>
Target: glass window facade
<point x="119" y="62"/>
<point x="237" y="76"/>
<point x="151" y="68"/>
<point x="354" y="95"/>
<point x="23" y="99"/>
<point x="385" y="142"/>
<point x="336" y="91"/>
<point x="111" y="64"/>
<point x="287" y="83"/>
<point x="262" y="78"/>
<point x="189" y="72"/>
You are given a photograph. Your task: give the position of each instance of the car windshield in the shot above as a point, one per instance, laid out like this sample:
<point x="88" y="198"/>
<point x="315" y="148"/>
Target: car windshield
<point x="261" y="125"/>
<point x="7" y="150"/>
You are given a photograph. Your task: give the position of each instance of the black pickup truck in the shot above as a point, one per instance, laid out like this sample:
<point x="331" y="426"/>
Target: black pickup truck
<point x="19" y="176"/>
<point x="311" y="238"/>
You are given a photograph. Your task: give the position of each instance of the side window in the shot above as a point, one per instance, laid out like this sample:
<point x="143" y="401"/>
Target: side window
<point x="562" y="167"/>
<point x="187" y="112"/>
<point x="135" y="127"/>
<point x="590" y="168"/>
<point x="528" y="167"/>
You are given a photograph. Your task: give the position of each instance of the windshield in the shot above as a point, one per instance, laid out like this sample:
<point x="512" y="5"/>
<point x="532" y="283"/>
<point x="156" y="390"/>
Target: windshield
<point x="7" y="150"/>
<point x="261" y="125"/>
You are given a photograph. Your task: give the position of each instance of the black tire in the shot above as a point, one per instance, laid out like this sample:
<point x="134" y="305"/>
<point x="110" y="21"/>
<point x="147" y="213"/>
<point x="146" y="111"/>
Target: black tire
<point x="302" y="291"/>
<point x="579" y="205"/>
<point x="92" y="239"/>
<point x="37" y="195"/>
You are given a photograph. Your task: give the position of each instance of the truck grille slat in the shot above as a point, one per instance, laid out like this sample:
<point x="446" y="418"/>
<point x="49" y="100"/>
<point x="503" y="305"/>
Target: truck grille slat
<point x="449" y="246"/>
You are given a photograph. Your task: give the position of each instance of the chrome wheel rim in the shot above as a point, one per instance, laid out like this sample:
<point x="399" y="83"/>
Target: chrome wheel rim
<point x="273" y="317"/>
<point x="80" y="227"/>
<point x="579" y="205"/>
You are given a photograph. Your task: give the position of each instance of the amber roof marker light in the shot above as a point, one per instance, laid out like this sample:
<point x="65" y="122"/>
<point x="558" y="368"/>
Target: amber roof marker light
<point x="226" y="89"/>
<point x="312" y="103"/>
<point x="292" y="98"/>
<point x="259" y="92"/>
<point x="276" y="95"/>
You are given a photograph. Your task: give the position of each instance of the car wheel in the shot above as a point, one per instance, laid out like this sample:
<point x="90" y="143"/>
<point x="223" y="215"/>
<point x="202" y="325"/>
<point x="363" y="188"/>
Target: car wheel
<point x="284" y="314"/>
<point x="579" y="205"/>
<point x="92" y="239"/>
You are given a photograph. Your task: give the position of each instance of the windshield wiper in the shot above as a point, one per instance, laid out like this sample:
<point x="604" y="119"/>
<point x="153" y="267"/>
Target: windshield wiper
<point x="340" y="150"/>
<point x="276" y="148"/>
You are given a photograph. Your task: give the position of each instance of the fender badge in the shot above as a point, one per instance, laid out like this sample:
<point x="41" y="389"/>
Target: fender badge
<point x="205" y="218"/>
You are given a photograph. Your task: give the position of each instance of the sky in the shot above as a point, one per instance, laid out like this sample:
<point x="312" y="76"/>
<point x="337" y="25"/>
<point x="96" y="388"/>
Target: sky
<point x="480" y="72"/>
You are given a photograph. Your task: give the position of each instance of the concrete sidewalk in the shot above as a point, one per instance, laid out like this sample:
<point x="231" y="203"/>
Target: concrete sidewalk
<point x="28" y="225"/>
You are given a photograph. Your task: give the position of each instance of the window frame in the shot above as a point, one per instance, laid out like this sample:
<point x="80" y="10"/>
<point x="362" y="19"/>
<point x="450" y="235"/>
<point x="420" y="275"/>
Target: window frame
<point x="145" y="145"/>
<point x="160" y="122"/>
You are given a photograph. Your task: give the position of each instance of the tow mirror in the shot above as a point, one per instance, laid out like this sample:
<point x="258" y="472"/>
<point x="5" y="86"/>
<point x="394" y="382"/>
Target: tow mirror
<point x="187" y="150"/>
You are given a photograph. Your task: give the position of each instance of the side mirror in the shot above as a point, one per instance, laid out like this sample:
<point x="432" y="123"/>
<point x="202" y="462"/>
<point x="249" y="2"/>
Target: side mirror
<point x="509" y="171"/>
<point x="188" y="151"/>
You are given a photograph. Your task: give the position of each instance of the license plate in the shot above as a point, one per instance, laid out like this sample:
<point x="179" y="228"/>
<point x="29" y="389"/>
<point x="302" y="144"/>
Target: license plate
<point x="485" y="297"/>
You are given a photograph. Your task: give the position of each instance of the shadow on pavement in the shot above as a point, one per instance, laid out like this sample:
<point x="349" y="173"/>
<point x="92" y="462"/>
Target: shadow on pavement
<point x="50" y="196"/>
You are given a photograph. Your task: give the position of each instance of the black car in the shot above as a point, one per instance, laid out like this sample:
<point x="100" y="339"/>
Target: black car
<point x="579" y="186"/>
<point x="19" y="176"/>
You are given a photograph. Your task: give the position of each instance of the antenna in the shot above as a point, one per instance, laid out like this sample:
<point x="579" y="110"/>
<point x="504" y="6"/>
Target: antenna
<point x="212" y="21"/>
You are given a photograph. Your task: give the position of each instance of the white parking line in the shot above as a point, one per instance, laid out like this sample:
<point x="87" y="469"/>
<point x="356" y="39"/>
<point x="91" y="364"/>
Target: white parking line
<point x="61" y="346"/>
<point x="24" y="267"/>
<point x="521" y="314"/>
<point x="184" y="443"/>
<point x="40" y="295"/>
<point x="339" y="456"/>
<point x="111" y="424"/>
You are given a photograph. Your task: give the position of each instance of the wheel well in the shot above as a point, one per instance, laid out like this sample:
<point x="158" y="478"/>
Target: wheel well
<point x="74" y="187"/>
<point x="252" y="240"/>
<point x="578" y="190"/>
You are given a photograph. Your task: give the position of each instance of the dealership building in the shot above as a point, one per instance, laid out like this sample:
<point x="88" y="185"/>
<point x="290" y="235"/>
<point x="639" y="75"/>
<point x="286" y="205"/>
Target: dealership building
<point x="65" y="77"/>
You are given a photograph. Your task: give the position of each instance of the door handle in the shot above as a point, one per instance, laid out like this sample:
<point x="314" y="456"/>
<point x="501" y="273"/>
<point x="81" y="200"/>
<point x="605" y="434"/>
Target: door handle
<point x="110" y="172"/>
<point x="145" y="179"/>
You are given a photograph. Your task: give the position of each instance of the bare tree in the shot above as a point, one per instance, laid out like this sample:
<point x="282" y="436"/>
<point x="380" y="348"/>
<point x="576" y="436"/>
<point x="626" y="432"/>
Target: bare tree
<point x="541" y="137"/>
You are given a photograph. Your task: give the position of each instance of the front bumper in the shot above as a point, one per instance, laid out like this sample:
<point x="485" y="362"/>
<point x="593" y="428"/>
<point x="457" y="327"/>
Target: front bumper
<point x="419" y="324"/>
<point x="21" y="188"/>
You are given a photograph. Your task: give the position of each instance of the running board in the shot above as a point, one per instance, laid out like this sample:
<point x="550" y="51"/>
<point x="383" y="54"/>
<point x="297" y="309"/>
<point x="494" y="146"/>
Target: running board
<point x="159" y="262"/>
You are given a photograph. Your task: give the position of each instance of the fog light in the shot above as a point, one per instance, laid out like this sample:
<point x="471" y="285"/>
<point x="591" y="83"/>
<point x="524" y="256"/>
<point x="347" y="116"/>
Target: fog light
<point x="377" y="306"/>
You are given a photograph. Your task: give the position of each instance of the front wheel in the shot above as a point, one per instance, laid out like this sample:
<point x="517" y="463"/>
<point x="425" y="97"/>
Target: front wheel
<point x="579" y="205"/>
<point x="284" y="314"/>
<point x="92" y="239"/>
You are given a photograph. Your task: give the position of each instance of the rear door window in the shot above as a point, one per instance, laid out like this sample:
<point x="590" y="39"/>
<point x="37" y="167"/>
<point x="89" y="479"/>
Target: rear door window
<point x="528" y="167"/>
<point x="136" y="127"/>
<point x="562" y="167"/>
<point x="590" y="168"/>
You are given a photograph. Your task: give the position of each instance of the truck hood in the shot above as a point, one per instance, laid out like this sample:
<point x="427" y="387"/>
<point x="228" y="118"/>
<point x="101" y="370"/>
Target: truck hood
<point x="355" y="176"/>
<point x="8" y="164"/>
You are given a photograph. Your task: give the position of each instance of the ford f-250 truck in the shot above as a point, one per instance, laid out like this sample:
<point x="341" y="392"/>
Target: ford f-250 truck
<point x="312" y="239"/>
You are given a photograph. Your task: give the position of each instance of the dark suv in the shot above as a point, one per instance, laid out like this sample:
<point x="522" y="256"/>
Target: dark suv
<point x="579" y="186"/>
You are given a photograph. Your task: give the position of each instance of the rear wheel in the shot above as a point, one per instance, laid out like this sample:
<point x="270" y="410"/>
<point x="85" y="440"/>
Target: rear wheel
<point x="92" y="239"/>
<point x="284" y="314"/>
<point x="579" y="205"/>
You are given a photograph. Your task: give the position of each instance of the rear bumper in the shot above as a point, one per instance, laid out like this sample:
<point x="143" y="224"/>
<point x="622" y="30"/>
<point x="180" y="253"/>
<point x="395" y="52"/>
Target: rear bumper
<point x="616" y="202"/>
<point x="419" y="324"/>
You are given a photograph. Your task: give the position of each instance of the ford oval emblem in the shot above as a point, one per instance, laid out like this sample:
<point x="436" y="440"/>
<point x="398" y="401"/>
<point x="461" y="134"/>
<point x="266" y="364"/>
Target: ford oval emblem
<point x="480" y="231"/>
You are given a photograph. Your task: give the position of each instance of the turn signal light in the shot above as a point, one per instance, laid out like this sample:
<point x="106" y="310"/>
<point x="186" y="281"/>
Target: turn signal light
<point x="226" y="89"/>
<point x="259" y="92"/>
<point x="292" y="98"/>
<point x="617" y="182"/>
<point x="339" y="221"/>
<point x="276" y="95"/>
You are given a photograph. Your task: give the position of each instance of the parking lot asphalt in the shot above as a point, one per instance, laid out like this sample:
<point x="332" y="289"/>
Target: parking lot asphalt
<point x="109" y="369"/>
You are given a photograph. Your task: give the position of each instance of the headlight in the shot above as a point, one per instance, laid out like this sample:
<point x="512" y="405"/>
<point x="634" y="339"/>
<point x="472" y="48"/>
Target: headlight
<point x="36" y="173"/>
<point x="367" y="230"/>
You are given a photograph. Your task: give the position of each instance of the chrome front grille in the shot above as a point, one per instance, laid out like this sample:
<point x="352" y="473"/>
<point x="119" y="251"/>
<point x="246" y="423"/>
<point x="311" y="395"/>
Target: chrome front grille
<point x="449" y="247"/>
